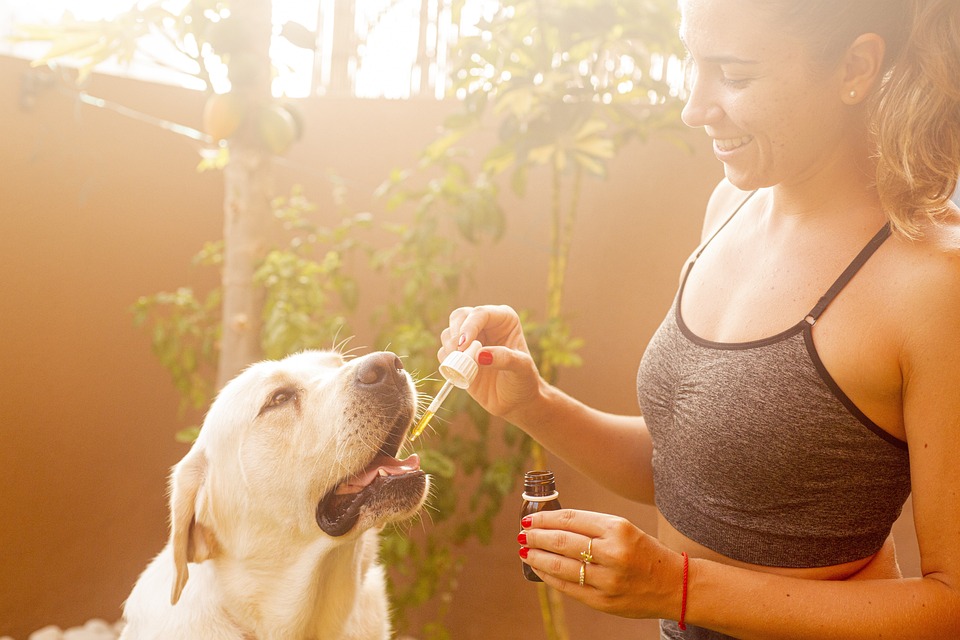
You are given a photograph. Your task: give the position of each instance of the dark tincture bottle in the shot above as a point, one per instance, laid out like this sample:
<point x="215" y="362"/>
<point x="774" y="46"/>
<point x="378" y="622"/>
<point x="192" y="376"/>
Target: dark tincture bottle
<point x="539" y="494"/>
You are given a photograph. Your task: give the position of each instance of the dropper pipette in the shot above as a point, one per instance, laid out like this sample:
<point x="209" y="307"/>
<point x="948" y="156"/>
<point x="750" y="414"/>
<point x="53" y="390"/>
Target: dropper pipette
<point x="459" y="369"/>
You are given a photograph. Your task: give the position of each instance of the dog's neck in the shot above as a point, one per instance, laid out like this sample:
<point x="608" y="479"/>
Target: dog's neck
<point x="320" y="586"/>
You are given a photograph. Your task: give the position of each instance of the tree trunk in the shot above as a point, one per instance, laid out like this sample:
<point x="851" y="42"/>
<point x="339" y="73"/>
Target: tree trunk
<point x="248" y="184"/>
<point x="248" y="191"/>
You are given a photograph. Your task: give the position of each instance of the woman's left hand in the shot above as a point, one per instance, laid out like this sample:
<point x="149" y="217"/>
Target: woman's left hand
<point x="625" y="571"/>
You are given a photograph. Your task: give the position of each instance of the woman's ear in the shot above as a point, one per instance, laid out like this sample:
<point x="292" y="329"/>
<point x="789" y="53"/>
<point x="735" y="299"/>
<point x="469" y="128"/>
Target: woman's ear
<point x="862" y="67"/>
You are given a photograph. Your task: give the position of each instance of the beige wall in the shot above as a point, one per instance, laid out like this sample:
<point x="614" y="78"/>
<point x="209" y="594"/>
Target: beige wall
<point x="97" y="209"/>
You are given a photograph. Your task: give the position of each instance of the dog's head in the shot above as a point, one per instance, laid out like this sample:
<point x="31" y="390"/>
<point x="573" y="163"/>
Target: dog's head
<point x="296" y="449"/>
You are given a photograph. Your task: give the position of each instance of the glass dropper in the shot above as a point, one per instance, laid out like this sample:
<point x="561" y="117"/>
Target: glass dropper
<point x="458" y="369"/>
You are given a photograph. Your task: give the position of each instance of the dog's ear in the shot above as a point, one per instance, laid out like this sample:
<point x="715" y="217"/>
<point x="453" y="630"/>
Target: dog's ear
<point x="190" y="540"/>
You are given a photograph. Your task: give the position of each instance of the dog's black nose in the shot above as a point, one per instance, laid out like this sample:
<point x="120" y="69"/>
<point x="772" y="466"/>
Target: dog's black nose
<point x="379" y="368"/>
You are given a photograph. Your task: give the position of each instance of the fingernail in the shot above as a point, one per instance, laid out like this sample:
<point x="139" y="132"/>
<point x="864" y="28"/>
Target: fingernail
<point x="463" y="338"/>
<point x="522" y="537"/>
<point x="524" y="551"/>
<point x="485" y="357"/>
<point x="526" y="521"/>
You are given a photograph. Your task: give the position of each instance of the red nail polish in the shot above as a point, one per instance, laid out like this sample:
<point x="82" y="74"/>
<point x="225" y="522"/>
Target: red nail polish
<point x="524" y="551"/>
<point x="522" y="538"/>
<point x="485" y="357"/>
<point x="526" y="521"/>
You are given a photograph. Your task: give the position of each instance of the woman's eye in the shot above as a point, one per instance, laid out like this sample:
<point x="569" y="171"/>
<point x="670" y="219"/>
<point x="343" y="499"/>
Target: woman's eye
<point x="734" y="82"/>
<point x="733" y="77"/>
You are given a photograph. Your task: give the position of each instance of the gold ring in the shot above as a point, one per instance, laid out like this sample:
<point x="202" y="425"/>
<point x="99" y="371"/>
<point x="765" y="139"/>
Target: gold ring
<point x="583" y="571"/>
<point x="587" y="556"/>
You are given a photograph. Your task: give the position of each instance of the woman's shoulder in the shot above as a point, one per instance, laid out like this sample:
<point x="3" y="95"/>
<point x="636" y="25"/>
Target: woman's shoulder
<point x="929" y="268"/>
<point x="938" y="245"/>
<point x="943" y="235"/>
<point x="921" y="298"/>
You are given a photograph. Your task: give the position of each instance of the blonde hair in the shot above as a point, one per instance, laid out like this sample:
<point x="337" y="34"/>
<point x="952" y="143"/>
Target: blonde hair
<point x="915" y="115"/>
<point x="916" y="120"/>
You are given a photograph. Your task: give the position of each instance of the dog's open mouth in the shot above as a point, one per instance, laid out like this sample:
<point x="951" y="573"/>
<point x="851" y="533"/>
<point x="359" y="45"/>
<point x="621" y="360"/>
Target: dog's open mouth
<point x="339" y="510"/>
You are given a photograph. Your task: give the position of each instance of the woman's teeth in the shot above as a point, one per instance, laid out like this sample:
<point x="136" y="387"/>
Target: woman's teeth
<point x="731" y="143"/>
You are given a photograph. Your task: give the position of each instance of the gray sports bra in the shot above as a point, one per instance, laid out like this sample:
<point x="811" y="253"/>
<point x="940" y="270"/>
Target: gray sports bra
<point x="758" y="454"/>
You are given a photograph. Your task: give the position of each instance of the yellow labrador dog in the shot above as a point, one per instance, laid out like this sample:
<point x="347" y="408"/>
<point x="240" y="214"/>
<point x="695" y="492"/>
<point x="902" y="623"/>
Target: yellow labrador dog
<point x="276" y="508"/>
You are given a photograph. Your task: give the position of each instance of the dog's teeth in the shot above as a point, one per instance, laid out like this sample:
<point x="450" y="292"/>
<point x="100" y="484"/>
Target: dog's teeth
<point x="383" y="472"/>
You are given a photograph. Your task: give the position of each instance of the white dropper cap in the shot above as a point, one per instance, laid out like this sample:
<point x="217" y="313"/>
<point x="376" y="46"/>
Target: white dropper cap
<point x="458" y="369"/>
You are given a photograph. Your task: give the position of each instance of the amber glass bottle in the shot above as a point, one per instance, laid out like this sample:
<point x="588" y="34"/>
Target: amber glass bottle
<point x="539" y="494"/>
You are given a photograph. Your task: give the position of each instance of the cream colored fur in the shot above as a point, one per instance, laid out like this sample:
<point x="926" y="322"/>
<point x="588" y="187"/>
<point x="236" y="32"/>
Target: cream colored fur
<point x="246" y="557"/>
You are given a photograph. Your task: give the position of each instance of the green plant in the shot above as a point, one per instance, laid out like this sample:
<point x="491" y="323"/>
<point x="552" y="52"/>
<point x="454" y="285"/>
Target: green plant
<point x="185" y="335"/>
<point x="309" y="292"/>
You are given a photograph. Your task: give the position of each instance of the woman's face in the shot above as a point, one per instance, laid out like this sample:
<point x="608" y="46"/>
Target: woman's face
<point x="773" y="118"/>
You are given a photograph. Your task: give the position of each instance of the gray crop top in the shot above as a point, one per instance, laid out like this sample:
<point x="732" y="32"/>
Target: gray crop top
<point x="758" y="454"/>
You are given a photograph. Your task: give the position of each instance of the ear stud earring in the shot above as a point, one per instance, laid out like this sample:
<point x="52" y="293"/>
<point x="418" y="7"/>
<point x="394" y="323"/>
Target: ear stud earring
<point x="853" y="93"/>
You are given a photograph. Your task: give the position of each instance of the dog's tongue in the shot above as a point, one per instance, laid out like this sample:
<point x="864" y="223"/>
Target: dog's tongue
<point x="382" y="465"/>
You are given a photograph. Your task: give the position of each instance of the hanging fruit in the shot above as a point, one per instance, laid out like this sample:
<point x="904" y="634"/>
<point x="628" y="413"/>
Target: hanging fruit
<point x="294" y="110"/>
<point x="278" y="129"/>
<point x="222" y="115"/>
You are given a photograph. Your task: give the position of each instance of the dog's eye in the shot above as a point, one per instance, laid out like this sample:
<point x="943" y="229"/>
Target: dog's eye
<point x="280" y="397"/>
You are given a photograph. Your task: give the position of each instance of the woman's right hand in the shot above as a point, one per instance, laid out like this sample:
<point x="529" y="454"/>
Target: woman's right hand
<point x="508" y="378"/>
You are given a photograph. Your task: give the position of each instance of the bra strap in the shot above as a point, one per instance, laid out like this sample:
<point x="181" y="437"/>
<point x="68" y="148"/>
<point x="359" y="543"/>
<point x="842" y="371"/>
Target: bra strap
<point x="696" y="256"/>
<point x="725" y="223"/>
<point x="848" y="273"/>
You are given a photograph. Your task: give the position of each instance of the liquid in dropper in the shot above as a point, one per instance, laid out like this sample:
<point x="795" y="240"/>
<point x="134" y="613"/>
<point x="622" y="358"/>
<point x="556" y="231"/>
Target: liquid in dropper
<point x="459" y="368"/>
<point x="424" y="421"/>
<point x="431" y="410"/>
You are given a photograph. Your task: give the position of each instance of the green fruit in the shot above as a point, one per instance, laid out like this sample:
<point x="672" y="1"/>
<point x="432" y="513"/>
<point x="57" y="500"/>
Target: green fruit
<point x="278" y="129"/>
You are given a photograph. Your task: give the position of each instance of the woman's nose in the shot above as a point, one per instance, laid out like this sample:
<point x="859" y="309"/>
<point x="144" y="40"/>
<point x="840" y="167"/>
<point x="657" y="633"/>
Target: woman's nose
<point x="700" y="109"/>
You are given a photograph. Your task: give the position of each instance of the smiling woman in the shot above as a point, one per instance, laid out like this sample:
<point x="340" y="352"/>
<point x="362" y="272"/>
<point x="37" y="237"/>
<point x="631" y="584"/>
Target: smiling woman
<point x="368" y="48"/>
<point x="795" y="393"/>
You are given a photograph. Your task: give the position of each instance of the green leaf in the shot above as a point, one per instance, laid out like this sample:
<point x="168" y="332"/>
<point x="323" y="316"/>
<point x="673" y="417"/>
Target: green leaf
<point x="437" y="463"/>
<point x="188" y="434"/>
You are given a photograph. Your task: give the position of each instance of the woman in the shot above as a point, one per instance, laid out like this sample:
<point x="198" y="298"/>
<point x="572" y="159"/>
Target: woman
<point x="806" y="380"/>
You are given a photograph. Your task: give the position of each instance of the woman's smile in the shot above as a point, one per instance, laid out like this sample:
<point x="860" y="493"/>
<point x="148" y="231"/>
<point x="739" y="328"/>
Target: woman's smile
<point x="730" y="144"/>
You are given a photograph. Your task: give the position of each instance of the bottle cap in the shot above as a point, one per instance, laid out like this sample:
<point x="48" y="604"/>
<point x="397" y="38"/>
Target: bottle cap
<point x="460" y="367"/>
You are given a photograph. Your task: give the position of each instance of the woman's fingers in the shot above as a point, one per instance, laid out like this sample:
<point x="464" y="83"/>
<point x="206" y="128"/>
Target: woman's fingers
<point x="450" y="338"/>
<point x="566" y="543"/>
<point x="561" y="572"/>
<point x="493" y="324"/>
<point x="587" y="523"/>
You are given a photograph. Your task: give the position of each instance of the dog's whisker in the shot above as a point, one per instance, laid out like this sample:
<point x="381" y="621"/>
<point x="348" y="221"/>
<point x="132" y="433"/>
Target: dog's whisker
<point x="337" y="344"/>
<point x="430" y="378"/>
<point x="423" y="401"/>
<point x="350" y="354"/>
<point x="352" y="351"/>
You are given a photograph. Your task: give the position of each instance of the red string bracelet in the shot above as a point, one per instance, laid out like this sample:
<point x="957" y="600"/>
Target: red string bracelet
<point x="683" y="599"/>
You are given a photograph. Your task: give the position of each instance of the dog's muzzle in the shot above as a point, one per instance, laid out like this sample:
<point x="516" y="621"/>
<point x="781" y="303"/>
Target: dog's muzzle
<point x="389" y="485"/>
